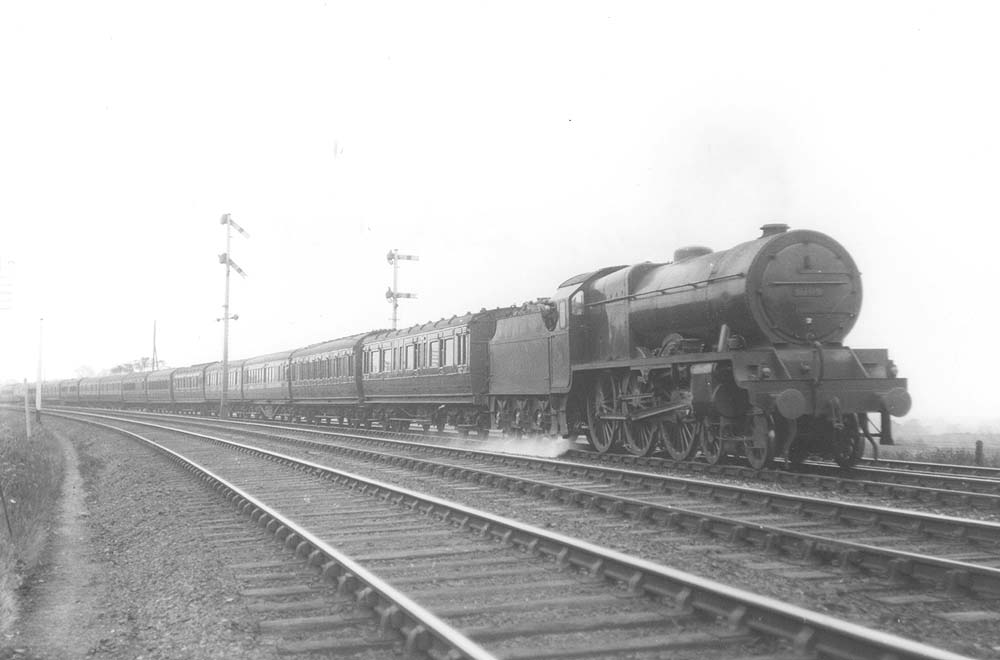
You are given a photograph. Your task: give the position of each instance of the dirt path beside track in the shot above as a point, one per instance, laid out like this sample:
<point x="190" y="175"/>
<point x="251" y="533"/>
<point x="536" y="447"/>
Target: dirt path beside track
<point x="60" y="601"/>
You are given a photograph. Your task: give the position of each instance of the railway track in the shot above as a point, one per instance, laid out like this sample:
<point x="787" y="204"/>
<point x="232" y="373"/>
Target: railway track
<point x="680" y="613"/>
<point x="934" y="468"/>
<point x="937" y="485"/>
<point x="874" y="538"/>
<point x="900" y="566"/>
<point x="982" y="493"/>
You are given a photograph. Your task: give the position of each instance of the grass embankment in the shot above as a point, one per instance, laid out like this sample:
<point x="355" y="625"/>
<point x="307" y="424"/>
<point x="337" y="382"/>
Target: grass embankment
<point x="954" y="449"/>
<point x="31" y="474"/>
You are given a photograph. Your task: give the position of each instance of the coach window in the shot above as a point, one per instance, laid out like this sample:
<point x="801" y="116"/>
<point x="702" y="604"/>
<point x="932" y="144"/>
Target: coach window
<point x="448" y="358"/>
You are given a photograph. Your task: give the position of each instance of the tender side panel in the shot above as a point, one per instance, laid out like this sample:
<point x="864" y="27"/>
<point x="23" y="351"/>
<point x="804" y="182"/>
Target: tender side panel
<point x="519" y="356"/>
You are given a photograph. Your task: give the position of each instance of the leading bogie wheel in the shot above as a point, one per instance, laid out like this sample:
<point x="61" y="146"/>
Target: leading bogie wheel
<point x="758" y="445"/>
<point x="848" y="444"/>
<point x="713" y="447"/>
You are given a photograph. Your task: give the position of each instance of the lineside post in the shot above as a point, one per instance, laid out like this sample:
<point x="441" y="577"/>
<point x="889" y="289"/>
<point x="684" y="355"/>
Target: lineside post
<point x="27" y="412"/>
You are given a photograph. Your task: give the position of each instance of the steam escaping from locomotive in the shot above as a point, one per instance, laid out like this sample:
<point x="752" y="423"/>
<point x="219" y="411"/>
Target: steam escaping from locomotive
<point x="539" y="446"/>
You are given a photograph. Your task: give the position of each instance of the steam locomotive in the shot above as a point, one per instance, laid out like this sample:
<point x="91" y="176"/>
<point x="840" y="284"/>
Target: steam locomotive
<point x="733" y="353"/>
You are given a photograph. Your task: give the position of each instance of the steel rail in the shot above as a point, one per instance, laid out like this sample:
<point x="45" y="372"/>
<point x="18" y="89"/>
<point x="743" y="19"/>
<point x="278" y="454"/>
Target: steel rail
<point x="934" y="468"/>
<point x="952" y="482"/>
<point x="809" y="631"/>
<point x="948" y="489"/>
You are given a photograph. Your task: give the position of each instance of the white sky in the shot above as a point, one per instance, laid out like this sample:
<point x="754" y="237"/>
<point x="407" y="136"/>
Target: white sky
<point x="509" y="144"/>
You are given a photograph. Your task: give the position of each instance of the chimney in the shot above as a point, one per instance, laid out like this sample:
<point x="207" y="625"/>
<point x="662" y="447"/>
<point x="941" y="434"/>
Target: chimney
<point x="772" y="229"/>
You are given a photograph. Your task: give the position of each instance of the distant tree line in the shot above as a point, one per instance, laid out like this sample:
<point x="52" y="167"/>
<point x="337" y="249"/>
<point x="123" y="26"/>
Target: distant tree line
<point x="135" y="366"/>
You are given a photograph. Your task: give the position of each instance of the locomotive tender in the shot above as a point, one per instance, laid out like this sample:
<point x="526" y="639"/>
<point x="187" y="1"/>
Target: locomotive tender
<point x="738" y="352"/>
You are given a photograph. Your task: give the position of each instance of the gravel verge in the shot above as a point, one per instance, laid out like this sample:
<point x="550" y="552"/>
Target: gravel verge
<point x="126" y="576"/>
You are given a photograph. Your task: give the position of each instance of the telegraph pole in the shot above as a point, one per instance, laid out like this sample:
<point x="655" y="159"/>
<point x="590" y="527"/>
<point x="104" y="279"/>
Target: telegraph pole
<point x="393" y="295"/>
<point x="230" y="265"/>
<point x="154" y="360"/>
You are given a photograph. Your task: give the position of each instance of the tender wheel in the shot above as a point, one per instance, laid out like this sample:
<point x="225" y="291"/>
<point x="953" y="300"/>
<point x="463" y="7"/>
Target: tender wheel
<point x="759" y="444"/>
<point x="483" y="421"/>
<point x="604" y="434"/>
<point x="712" y="446"/>
<point x="642" y="438"/>
<point x="680" y="438"/>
